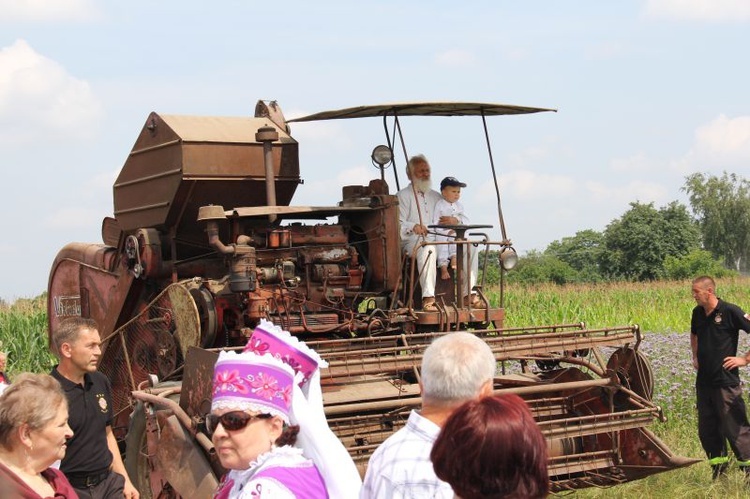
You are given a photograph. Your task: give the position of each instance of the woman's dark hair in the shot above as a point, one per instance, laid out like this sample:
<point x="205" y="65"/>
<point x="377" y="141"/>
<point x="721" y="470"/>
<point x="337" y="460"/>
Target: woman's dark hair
<point x="491" y="448"/>
<point x="288" y="435"/>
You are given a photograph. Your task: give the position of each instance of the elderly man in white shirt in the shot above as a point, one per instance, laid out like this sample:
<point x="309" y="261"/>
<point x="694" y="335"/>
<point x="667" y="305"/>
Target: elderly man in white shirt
<point x="455" y="368"/>
<point x="416" y="205"/>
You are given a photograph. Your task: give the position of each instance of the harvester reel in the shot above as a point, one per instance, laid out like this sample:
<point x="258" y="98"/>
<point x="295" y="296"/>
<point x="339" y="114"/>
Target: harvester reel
<point x="160" y="352"/>
<point x="158" y="338"/>
<point x="633" y="370"/>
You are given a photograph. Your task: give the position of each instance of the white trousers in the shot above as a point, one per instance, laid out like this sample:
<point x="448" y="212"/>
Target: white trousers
<point x="426" y="263"/>
<point x="471" y="265"/>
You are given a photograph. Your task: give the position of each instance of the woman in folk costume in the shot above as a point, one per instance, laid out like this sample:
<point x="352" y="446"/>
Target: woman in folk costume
<point x="315" y="437"/>
<point x="251" y="431"/>
<point x="258" y="412"/>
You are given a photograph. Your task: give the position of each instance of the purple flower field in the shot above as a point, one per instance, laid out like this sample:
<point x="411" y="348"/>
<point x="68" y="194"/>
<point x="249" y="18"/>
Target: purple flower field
<point x="674" y="376"/>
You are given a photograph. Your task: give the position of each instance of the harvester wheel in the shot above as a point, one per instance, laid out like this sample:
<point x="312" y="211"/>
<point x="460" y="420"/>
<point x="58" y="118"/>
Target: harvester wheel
<point x="136" y="448"/>
<point x="634" y="372"/>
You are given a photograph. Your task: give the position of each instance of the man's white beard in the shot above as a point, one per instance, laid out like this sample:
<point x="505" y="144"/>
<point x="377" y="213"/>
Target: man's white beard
<point x="422" y="186"/>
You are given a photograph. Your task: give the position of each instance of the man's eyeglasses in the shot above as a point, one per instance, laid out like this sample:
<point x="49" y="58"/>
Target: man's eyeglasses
<point x="231" y="421"/>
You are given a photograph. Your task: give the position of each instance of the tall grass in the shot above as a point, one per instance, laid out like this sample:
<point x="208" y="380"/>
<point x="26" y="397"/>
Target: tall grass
<point x="655" y="306"/>
<point x="23" y="336"/>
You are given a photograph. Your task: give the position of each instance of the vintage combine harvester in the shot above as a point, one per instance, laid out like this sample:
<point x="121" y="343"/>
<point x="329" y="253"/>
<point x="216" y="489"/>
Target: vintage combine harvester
<point x="205" y="243"/>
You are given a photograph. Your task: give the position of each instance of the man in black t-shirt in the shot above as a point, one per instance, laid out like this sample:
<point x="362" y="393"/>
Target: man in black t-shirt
<point x="92" y="462"/>
<point x="722" y="416"/>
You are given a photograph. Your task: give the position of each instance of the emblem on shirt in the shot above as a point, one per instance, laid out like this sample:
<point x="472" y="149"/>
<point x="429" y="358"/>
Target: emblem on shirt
<point x="102" y="402"/>
<point x="717" y="318"/>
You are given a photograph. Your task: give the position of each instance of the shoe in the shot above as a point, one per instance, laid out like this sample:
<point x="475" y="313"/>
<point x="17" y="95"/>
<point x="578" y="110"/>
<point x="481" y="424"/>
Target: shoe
<point x="428" y="304"/>
<point x="474" y="301"/>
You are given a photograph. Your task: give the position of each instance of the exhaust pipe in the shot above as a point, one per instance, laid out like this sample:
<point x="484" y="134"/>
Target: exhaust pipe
<point x="267" y="135"/>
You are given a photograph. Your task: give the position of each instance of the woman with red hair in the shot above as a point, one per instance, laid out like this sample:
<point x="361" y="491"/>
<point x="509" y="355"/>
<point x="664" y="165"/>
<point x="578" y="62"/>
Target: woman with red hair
<point x="491" y="448"/>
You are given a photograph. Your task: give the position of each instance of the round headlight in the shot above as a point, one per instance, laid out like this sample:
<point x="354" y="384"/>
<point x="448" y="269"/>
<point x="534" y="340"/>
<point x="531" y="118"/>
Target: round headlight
<point x="508" y="258"/>
<point x="382" y="155"/>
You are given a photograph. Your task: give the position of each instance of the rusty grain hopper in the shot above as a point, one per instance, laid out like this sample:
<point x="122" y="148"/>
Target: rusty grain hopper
<point x="205" y="242"/>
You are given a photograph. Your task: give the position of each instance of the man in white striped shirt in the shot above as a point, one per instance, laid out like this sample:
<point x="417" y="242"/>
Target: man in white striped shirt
<point x="455" y="368"/>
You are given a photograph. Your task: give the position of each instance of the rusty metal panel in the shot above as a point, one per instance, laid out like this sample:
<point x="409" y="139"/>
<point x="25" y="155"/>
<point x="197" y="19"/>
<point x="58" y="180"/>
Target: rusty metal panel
<point x="77" y="266"/>
<point x="182" y="463"/>
<point x="197" y="382"/>
<point x="176" y="161"/>
<point x="379" y="225"/>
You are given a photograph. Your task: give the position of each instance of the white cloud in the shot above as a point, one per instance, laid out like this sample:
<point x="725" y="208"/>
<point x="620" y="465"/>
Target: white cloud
<point x="699" y="10"/>
<point x="722" y="143"/>
<point x="48" y="10"/>
<point x="525" y="184"/>
<point x="725" y="136"/>
<point x="38" y="96"/>
<point x="455" y="57"/>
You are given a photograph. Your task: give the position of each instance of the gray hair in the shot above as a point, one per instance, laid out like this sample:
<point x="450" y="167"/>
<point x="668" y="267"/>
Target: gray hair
<point x="455" y="366"/>
<point x="32" y="399"/>
<point x="415" y="160"/>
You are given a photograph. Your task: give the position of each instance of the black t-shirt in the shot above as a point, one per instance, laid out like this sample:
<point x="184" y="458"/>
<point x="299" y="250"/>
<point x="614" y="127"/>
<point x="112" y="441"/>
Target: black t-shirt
<point x="89" y="414"/>
<point x="718" y="334"/>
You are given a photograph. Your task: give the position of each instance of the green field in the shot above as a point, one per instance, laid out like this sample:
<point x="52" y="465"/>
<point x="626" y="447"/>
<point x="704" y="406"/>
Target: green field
<point x="662" y="309"/>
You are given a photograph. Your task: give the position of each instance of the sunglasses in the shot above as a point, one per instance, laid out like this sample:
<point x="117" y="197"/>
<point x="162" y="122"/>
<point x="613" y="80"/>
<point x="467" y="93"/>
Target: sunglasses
<point x="231" y="421"/>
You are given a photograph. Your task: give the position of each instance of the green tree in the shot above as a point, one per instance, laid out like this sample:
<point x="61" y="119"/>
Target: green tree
<point x="722" y="206"/>
<point x="582" y="252"/>
<point x="697" y="262"/>
<point x="536" y="267"/>
<point x="637" y="244"/>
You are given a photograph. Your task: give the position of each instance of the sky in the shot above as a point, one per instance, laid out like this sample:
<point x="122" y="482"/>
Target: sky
<point x="646" y="92"/>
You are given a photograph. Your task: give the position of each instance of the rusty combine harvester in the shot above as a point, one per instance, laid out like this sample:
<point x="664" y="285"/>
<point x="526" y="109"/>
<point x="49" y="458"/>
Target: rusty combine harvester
<point x="205" y="242"/>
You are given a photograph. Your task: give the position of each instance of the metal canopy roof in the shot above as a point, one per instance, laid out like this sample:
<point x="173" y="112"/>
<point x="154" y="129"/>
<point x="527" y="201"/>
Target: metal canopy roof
<point x="423" y="109"/>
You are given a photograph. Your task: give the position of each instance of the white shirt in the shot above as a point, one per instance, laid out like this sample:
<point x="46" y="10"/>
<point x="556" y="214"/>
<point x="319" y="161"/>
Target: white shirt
<point x="445" y="208"/>
<point x="408" y="215"/>
<point x="401" y="468"/>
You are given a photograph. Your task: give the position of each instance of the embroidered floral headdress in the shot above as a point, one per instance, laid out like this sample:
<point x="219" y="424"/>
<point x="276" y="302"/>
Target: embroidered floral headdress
<point x="268" y="338"/>
<point x="250" y="382"/>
